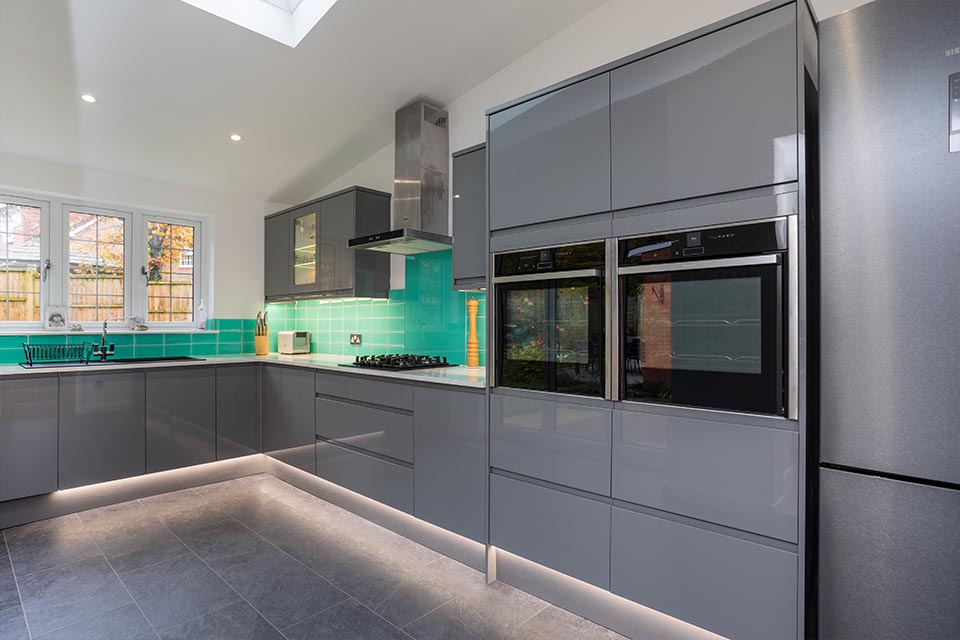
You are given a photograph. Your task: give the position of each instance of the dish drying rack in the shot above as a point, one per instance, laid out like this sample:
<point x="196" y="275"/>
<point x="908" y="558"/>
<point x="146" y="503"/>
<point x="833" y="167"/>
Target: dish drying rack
<point x="54" y="353"/>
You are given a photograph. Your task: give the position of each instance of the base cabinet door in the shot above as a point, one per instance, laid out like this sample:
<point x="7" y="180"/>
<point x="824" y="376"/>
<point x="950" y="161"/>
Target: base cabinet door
<point x="181" y="417"/>
<point x="238" y="411"/>
<point x="450" y="438"/>
<point x="28" y="436"/>
<point x="287" y="415"/>
<point x="563" y="531"/>
<point x="734" y="587"/>
<point x="376" y="478"/>
<point x="102" y="427"/>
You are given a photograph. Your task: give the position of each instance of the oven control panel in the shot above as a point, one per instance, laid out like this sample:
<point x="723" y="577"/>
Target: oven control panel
<point x="955" y="113"/>
<point x="551" y="259"/>
<point x="734" y="240"/>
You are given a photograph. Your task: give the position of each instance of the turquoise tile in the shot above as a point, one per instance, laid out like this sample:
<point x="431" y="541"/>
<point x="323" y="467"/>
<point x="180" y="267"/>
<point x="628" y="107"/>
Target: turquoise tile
<point x="212" y="324"/>
<point x="248" y="349"/>
<point x="123" y="351"/>
<point x="204" y="349"/>
<point x="148" y="350"/>
<point x="205" y="338"/>
<point x="125" y="339"/>
<point x="12" y="342"/>
<point x="229" y="324"/>
<point x="177" y="350"/>
<point x="248" y="324"/>
<point x="147" y="339"/>
<point x="41" y="339"/>
<point x="176" y="338"/>
<point x="11" y="356"/>
<point x="230" y="336"/>
<point x="230" y="349"/>
<point x="80" y="338"/>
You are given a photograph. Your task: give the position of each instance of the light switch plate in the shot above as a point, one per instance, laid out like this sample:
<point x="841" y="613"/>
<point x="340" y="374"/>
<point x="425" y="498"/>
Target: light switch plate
<point x="355" y="339"/>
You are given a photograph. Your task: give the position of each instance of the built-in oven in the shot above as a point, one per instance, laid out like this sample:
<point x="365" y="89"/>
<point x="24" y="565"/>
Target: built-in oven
<point x="551" y="319"/>
<point x="707" y="318"/>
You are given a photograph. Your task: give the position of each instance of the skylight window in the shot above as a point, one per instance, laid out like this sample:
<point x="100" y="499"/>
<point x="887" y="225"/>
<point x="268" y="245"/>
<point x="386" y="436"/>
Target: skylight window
<point x="286" y="21"/>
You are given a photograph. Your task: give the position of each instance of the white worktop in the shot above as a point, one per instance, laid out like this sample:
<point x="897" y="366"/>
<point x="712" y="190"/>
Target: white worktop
<point x="460" y="376"/>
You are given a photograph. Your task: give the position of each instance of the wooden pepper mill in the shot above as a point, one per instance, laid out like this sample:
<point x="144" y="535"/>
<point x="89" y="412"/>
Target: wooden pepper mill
<point x="473" y="343"/>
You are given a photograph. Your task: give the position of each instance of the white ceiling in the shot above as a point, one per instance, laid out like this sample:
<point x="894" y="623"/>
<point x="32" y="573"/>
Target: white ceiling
<point x="173" y="82"/>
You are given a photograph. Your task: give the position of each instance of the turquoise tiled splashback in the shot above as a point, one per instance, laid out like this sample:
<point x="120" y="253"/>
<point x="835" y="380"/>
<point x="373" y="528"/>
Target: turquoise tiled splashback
<point x="427" y="317"/>
<point x="227" y="336"/>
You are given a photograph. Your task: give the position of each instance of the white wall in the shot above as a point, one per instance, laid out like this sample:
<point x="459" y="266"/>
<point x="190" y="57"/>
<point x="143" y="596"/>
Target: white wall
<point x="233" y="226"/>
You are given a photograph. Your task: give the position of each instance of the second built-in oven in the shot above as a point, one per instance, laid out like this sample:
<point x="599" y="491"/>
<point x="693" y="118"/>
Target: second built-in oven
<point x="708" y="318"/>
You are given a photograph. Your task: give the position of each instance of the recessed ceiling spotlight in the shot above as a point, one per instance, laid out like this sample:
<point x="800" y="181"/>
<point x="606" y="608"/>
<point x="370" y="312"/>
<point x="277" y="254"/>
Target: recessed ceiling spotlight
<point x="88" y="97"/>
<point x="236" y="137"/>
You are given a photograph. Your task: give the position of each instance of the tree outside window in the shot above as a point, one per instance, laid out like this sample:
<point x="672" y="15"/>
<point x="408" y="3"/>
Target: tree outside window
<point x="170" y="272"/>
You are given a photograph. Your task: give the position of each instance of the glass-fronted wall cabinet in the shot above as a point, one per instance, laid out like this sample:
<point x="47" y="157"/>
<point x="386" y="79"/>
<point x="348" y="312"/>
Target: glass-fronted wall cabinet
<point x="306" y="251"/>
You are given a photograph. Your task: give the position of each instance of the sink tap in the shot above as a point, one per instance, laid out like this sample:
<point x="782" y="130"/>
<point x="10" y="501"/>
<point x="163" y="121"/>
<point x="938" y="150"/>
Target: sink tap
<point x="104" y="349"/>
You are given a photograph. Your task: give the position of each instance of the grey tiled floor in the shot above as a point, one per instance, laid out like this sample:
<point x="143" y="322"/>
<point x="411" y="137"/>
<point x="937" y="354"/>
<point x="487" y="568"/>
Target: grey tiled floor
<point x="250" y="559"/>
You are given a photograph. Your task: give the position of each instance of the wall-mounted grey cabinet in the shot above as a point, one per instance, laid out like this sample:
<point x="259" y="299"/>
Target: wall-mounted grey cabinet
<point x="306" y="252"/>
<point x="287" y="415"/>
<point x="550" y="156"/>
<point x="102" y="427"/>
<point x="450" y="448"/>
<point x="28" y="436"/>
<point x="470" y="218"/>
<point x="181" y="417"/>
<point x="238" y="411"/>
<point x="716" y="114"/>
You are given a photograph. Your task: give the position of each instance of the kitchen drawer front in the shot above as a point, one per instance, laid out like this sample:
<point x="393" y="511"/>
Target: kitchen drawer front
<point x="28" y="436"/>
<point x="735" y="475"/>
<point x="386" y="482"/>
<point x="559" y="530"/>
<point x="363" y="389"/>
<point x="560" y="442"/>
<point x="713" y="115"/>
<point x="385" y="432"/>
<point x="733" y="587"/>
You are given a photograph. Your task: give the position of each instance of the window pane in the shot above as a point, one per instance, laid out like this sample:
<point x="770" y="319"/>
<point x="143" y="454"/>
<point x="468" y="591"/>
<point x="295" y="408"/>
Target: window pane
<point x="171" y="275"/>
<point x="19" y="263"/>
<point x="96" y="267"/>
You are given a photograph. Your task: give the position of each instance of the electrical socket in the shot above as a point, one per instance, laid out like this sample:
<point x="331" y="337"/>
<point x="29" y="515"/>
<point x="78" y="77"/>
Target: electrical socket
<point x="356" y="339"/>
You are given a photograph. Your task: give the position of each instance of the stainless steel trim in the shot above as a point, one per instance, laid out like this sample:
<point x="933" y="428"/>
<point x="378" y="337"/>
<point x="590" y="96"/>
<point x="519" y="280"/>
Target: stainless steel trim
<point x="704" y="227"/>
<point x="538" y="247"/>
<point x="612" y="324"/>
<point x="745" y="261"/>
<point x="793" y="319"/>
<point x="558" y="275"/>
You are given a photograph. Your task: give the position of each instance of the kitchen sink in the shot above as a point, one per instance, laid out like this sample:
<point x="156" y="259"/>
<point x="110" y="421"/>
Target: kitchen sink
<point x="93" y="363"/>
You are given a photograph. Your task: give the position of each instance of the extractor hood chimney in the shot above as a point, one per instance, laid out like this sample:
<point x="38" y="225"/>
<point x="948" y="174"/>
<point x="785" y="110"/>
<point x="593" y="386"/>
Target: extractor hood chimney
<point x="421" y="221"/>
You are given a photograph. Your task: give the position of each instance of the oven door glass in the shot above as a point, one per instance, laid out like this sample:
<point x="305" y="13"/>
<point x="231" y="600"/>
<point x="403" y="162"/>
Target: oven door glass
<point x="705" y="338"/>
<point x="551" y="335"/>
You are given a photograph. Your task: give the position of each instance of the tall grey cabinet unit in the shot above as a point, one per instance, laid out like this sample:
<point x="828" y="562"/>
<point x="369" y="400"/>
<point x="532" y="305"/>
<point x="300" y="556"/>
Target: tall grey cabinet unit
<point x="287" y="415"/>
<point x="102" y="427"/>
<point x="717" y="114"/>
<point x="470" y="218"/>
<point x="306" y="252"/>
<point x="889" y="474"/>
<point x="450" y="476"/>
<point x="550" y="156"/>
<point x="28" y="436"/>
<point x="238" y="411"/>
<point x="181" y="417"/>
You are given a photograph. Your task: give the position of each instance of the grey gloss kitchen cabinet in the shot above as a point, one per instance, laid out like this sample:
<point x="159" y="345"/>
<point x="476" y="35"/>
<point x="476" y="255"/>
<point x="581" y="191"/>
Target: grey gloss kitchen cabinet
<point x="181" y="417"/>
<point x="307" y="253"/>
<point x="563" y="531"/>
<point x="550" y="156"/>
<point x="238" y="411"/>
<point x="381" y="430"/>
<point x="450" y="475"/>
<point x="470" y="218"/>
<point x="102" y="427"/>
<point x="28" y="436"/>
<point x="716" y="114"/>
<point x="728" y="585"/>
<point x="287" y="415"/>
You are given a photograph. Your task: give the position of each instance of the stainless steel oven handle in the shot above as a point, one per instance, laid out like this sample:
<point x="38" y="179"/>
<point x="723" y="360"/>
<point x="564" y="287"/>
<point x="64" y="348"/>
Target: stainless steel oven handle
<point x="745" y="261"/>
<point x="559" y="275"/>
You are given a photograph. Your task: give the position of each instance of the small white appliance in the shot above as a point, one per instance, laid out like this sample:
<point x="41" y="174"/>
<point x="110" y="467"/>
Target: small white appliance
<point x="291" y="342"/>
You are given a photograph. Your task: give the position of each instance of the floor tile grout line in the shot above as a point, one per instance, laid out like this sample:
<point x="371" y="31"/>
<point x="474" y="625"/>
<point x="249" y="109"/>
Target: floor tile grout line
<point x="240" y="595"/>
<point x="16" y="583"/>
<point x="126" y="588"/>
<point x="418" y="618"/>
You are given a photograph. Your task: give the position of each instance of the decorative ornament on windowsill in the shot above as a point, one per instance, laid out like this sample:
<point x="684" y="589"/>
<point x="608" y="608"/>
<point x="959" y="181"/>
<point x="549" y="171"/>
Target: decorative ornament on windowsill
<point x="473" y="343"/>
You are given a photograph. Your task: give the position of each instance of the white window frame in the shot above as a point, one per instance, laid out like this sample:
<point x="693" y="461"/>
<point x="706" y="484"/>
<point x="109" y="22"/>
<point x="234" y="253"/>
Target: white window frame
<point x="197" y="270"/>
<point x="45" y="278"/>
<point x="129" y="278"/>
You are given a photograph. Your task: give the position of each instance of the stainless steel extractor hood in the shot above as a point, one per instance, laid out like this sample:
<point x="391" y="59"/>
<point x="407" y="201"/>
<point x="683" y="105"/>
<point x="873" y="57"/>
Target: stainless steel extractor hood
<point x="421" y="220"/>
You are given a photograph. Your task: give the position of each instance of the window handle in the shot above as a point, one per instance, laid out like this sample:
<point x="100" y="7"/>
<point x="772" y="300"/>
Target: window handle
<point x="46" y="269"/>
